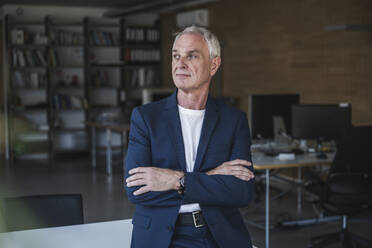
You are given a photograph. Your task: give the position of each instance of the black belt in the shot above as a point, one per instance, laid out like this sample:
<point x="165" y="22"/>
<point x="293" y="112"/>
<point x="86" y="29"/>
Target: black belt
<point x="191" y="219"/>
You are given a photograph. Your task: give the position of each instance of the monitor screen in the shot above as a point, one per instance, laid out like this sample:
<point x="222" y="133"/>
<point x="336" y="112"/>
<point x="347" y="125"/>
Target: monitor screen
<point x="313" y="121"/>
<point x="262" y="109"/>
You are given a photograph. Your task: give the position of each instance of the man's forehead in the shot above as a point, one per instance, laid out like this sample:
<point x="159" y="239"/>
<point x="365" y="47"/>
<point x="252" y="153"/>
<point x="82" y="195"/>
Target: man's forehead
<point x="190" y="42"/>
<point x="175" y="50"/>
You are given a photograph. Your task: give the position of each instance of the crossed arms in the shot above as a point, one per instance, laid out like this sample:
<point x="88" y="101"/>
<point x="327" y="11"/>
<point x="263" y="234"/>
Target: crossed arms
<point x="228" y="184"/>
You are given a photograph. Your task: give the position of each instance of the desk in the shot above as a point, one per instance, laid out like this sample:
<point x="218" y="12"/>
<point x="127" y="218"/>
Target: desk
<point x="122" y="128"/>
<point x="96" y="235"/>
<point x="262" y="162"/>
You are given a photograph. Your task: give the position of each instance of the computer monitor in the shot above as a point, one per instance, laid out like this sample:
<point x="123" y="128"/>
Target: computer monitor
<point x="155" y="94"/>
<point x="263" y="109"/>
<point x="325" y="121"/>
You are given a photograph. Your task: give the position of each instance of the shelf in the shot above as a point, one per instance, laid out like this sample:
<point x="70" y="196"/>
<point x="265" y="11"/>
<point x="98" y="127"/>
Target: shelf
<point x="28" y="46"/>
<point x="103" y="107"/>
<point x="28" y="89"/>
<point x="72" y="24"/>
<point x="98" y="26"/>
<point x="142" y="44"/>
<point x="70" y="129"/>
<point x="69" y="88"/>
<point x="29" y="23"/>
<point x="107" y="65"/>
<point x="23" y="68"/>
<point x="104" y="87"/>
<point x="59" y="67"/>
<point x="69" y="109"/>
<point x="113" y="147"/>
<point x="17" y="109"/>
<point x="71" y="150"/>
<point x="34" y="136"/>
<point x="68" y="46"/>
<point x="142" y="64"/>
<point x="105" y="46"/>
<point x="33" y="156"/>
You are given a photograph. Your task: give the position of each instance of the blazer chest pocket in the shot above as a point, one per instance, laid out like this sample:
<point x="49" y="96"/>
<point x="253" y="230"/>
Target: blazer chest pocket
<point x="141" y="221"/>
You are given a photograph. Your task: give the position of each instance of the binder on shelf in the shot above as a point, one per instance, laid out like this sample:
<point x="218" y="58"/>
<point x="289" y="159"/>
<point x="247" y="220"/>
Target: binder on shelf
<point x="33" y="80"/>
<point x="103" y="38"/>
<point x="143" y="77"/>
<point x="53" y="57"/>
<point x="64" y="101"/>
<point x="17" y="36"/>
<point x="21" y="58"/>
<point x="142" y="35"/>
<point x="27" y="57"/>
<point x="142" y="55"/>
<point x="66" y="37"/>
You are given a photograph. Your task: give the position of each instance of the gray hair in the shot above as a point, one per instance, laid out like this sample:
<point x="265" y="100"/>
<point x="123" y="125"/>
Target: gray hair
<point x="211" y="39"/>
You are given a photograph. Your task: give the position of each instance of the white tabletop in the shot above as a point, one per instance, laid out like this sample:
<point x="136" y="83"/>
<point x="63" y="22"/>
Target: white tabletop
<point x="96" y="235"/>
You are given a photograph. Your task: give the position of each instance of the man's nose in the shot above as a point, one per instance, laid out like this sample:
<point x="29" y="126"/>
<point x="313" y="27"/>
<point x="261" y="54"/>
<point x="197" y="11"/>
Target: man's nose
<point x="181" y="63"/>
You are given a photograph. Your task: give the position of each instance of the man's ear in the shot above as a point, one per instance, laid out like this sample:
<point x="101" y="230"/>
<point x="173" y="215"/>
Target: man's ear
<point x="216" y="62"/>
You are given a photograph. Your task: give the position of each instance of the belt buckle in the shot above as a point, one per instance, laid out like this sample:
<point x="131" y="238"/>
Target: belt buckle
<point x="195" y="219"/>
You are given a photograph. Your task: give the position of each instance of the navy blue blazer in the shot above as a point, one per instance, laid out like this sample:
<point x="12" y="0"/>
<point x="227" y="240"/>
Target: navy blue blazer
<point x="155" y="139"/>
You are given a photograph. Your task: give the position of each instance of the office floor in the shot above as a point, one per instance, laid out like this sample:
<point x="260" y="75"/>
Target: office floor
<point x="104" y="198"/>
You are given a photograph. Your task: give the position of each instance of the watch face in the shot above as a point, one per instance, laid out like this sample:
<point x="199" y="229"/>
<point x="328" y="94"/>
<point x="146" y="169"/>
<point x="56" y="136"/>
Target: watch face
<point x="182" y="181"/>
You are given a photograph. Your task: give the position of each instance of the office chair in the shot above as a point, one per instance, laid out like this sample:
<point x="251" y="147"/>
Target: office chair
<point x="348" y="187"/>
<point x="41" y="211"/>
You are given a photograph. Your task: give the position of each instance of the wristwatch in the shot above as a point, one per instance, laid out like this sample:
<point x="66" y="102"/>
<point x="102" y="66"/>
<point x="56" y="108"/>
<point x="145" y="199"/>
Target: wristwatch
<point x="181" y="189"/>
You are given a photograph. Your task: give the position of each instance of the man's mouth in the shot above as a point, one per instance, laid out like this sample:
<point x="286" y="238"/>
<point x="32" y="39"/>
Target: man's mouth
<point x="182" y="75"/>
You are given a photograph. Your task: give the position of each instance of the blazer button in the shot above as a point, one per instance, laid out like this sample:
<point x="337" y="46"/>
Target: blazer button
<point x="170" y="228"/>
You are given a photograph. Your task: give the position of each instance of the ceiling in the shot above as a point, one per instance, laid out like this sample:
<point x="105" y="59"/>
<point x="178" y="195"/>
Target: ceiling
<point x="122" y="7"/>
<point x="73" y="3"/>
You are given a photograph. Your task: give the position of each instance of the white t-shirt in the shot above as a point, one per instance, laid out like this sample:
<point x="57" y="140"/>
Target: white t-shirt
<point x="191" y="124"/>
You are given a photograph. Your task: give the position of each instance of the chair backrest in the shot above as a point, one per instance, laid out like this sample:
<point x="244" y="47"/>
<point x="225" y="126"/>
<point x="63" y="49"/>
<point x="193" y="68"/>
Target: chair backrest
<point x="354" y="151"/>
<point x="348" y="188"/>
<point x="40" y="211"/>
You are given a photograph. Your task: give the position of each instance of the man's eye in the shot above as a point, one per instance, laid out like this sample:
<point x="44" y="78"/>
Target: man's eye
<point x="176" y="56"/>
<point x="192" y="56"/>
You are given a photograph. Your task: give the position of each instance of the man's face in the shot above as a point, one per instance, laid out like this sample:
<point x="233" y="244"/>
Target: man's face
<point x="191" y="66"/>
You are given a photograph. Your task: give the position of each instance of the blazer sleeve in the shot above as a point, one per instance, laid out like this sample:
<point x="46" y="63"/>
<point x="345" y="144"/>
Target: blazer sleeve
<point x="223" y="190"/>
<point x="139" y="154"/>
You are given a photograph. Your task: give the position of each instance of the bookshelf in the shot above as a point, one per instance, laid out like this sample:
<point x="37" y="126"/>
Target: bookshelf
<point x="28" y="116"/>
<point x="66" y="95"/>
<point x="142" y="59"/>
<point x="62" y="74"/>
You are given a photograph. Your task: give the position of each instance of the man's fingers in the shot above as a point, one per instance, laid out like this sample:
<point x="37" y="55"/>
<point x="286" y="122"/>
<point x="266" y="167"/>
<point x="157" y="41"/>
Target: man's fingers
<point x="139" y="170"/>
<point x="244" y="178"/>
<point x="244" y="174"/>
<point x="135" y="177"/>
<point x="142" y="190"/>
<point x="239" y="162"/>
<point x="240" y="170"/>
<point x="243" y="162"/>
<point x="138" y="182"/>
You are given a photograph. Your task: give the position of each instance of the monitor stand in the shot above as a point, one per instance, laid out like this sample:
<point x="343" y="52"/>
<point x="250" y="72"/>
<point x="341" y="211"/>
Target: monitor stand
<point x="280" y="132"/>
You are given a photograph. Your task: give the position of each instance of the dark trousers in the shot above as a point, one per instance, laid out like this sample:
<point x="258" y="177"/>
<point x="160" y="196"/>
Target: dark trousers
<point x="192" y="237"/>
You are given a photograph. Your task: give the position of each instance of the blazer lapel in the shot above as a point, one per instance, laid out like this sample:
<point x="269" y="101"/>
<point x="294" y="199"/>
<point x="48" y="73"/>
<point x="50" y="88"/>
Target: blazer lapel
<point x="209" y="124"/>
<point x="174" y="126"/>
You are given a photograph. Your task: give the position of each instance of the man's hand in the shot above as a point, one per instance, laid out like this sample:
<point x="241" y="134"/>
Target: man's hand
<point x="237" y="168"/>
<point x="153" y="179"/>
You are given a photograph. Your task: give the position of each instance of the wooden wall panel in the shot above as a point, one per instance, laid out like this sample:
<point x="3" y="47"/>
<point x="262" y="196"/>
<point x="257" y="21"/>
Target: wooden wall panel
<point x="282" y="47"/>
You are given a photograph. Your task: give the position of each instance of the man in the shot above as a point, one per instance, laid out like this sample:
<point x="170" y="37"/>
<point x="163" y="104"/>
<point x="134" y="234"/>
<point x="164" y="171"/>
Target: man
<point x="188" y="164"/>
